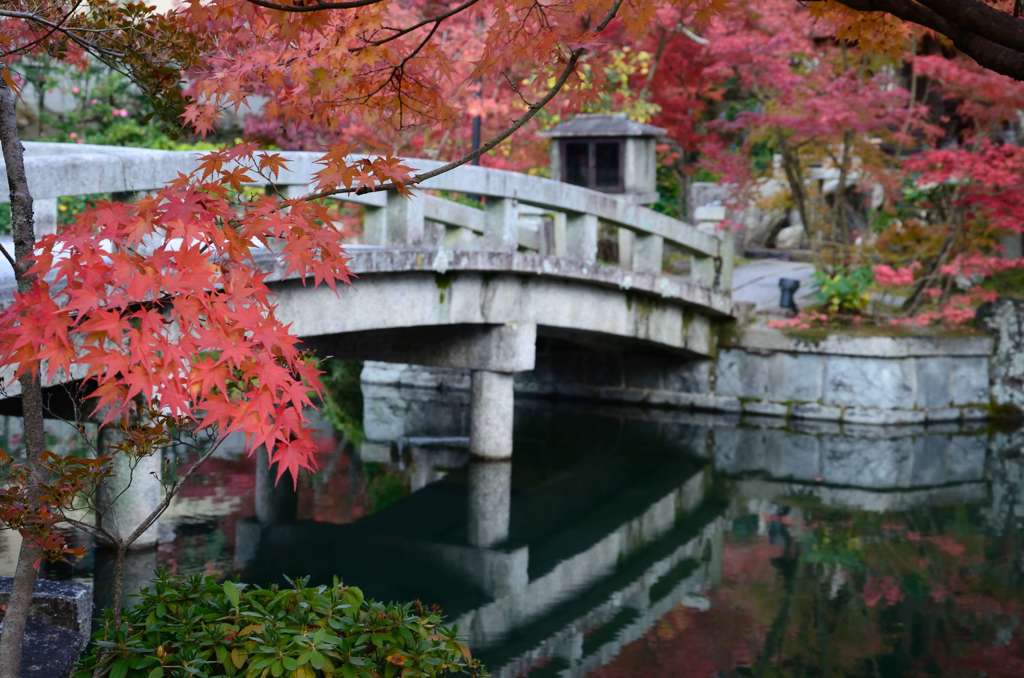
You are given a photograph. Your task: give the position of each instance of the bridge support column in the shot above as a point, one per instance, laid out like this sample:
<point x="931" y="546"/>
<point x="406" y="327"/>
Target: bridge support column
<point x="129" y="494"/>
<point x="490" y="502"/>
<point x="491" y="412"/>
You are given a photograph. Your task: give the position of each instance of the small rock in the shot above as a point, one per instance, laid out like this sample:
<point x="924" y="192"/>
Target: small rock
<point x="790" y="238"/>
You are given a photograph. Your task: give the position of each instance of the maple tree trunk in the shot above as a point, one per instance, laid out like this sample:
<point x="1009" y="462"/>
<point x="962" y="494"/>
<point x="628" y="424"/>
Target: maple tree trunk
<point x="31" y="391"/>
<point x="117" y="599"/>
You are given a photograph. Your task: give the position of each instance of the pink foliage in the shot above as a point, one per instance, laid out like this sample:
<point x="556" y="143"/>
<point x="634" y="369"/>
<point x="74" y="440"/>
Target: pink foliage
<point x="887" y="276"/>
<point x="881" y="589"/>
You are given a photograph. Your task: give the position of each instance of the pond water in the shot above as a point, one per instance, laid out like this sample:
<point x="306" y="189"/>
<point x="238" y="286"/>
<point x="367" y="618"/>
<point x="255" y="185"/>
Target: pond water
<point x="630" y="542"/>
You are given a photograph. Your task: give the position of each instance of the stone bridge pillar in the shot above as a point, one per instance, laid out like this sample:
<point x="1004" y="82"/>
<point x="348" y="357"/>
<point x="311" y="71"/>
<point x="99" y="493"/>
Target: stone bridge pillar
<point x="489" y="502"/>
<point x="491" y="413"/>
<point x="129" y="494"/>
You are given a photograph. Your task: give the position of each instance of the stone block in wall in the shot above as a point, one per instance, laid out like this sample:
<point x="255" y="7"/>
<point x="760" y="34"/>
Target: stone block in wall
<point x="688" y="377"/>
<point x="944" y="382"/>
<point x="933" y="378"/>
<point x="969" y="380"/>
<point x="816" y="411"/>
<point x="869" y="382"/>
<point x="874" y="416"/>
<point x="796" y="377"/>
<point x="781" y="378"/>
<point x="739" y="375"/>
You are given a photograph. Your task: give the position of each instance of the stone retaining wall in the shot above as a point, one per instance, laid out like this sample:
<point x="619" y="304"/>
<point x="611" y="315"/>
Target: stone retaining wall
<point x="869" y="380"/>
<point x="851" y="379"/>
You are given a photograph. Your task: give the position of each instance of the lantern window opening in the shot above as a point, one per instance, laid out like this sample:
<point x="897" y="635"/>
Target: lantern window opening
<point x="596" y="163"/>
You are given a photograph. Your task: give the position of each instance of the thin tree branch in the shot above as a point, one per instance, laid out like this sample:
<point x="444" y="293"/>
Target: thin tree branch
<point x="46" y="36"/>
<point x="170" y="494"/>
<point x="317" y="7"/>
<point x="399" y="32"/>
<point x="8" y="257"/>
<point x="70" y="32"/>
<point x="563" y="77"/>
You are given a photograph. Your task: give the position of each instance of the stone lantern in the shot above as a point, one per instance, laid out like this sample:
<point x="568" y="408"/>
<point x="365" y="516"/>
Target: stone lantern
<point x="608" y="153"/>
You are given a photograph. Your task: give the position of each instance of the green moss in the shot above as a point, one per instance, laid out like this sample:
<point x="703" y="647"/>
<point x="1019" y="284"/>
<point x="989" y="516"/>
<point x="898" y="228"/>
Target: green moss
<point x="343" y="397"/>
<point x="444" y="283"/>
<point x="816" y="335"/>
<point x="1004" y="417"/>
<point x="728" y="333"/>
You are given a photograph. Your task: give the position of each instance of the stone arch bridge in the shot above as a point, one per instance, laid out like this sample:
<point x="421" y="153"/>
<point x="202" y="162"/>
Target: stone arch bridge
<point x="442" y="281"/>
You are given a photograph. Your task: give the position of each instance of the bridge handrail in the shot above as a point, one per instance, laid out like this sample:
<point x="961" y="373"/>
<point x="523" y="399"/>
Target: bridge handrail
<point x="571" y="214"/>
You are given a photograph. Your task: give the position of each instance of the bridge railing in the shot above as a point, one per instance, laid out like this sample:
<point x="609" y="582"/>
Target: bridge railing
<point x="518" y="212"/>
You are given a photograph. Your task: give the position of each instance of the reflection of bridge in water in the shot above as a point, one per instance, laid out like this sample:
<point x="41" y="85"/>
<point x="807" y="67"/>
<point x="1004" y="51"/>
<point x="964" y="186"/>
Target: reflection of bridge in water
<point x="606" y="518"/>
<point x="561" y="556"/>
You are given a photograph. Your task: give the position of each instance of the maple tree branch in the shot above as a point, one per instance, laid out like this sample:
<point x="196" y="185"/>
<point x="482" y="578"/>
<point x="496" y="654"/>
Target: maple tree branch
<point x="69" y="31"/>
<point x="473" y="155"/>
<point x="172" y="491"/>
<point x="8" y="257"/>
<point x="981" y="19"/>
<point x="992" y="38"/>
<point x="399" y="32"/>
<point x="46" y="36"/>
<point x="563" y="77"/>
<point x="317" y="7"/>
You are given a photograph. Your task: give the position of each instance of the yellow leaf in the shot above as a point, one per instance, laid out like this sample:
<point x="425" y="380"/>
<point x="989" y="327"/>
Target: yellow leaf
<point x="238" y="657"/>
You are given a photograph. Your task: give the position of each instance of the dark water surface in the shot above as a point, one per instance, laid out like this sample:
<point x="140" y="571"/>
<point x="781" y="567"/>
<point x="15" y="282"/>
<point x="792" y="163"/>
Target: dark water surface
<point x="644" y="543"/>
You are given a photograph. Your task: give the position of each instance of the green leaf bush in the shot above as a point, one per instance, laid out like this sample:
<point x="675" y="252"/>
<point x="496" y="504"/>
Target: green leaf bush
<point x="196" y="626"/>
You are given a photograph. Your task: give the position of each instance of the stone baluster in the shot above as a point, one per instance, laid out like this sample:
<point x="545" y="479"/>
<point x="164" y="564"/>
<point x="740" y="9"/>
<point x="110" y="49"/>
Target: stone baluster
<point x="501" y="225"/>
<point x="581" y="237"/>
<point x="558" y="227"/>
<point x="399" y="222"/>
<point x="648" y="253"/>
<point x="627" y="240"/>
<point x="710" y="271"/>
<point x="44" y="214"/>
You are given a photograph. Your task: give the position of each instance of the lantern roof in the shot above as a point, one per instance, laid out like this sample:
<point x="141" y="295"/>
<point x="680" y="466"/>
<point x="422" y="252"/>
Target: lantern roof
<point x="602" y="125"/>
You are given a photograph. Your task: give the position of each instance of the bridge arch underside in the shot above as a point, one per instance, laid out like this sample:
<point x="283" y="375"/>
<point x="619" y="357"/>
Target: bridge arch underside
<point x="485" y="320"/>
<point x="471" y="319"/>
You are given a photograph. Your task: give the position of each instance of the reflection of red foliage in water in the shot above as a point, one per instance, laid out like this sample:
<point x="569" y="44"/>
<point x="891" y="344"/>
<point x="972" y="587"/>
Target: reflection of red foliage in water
<point x="337" y="494"/>
<point x="224" y="481"/>
<point x="688" y="642"/>
<point x="974" y="659"/>
<point x="748" y="561"/>
<point x="877" y="589"/>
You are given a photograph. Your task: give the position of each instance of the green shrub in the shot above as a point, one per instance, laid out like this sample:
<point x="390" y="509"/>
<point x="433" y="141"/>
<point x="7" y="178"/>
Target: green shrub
<point x="196" y="626"/>
<point x="846" y="290"/>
